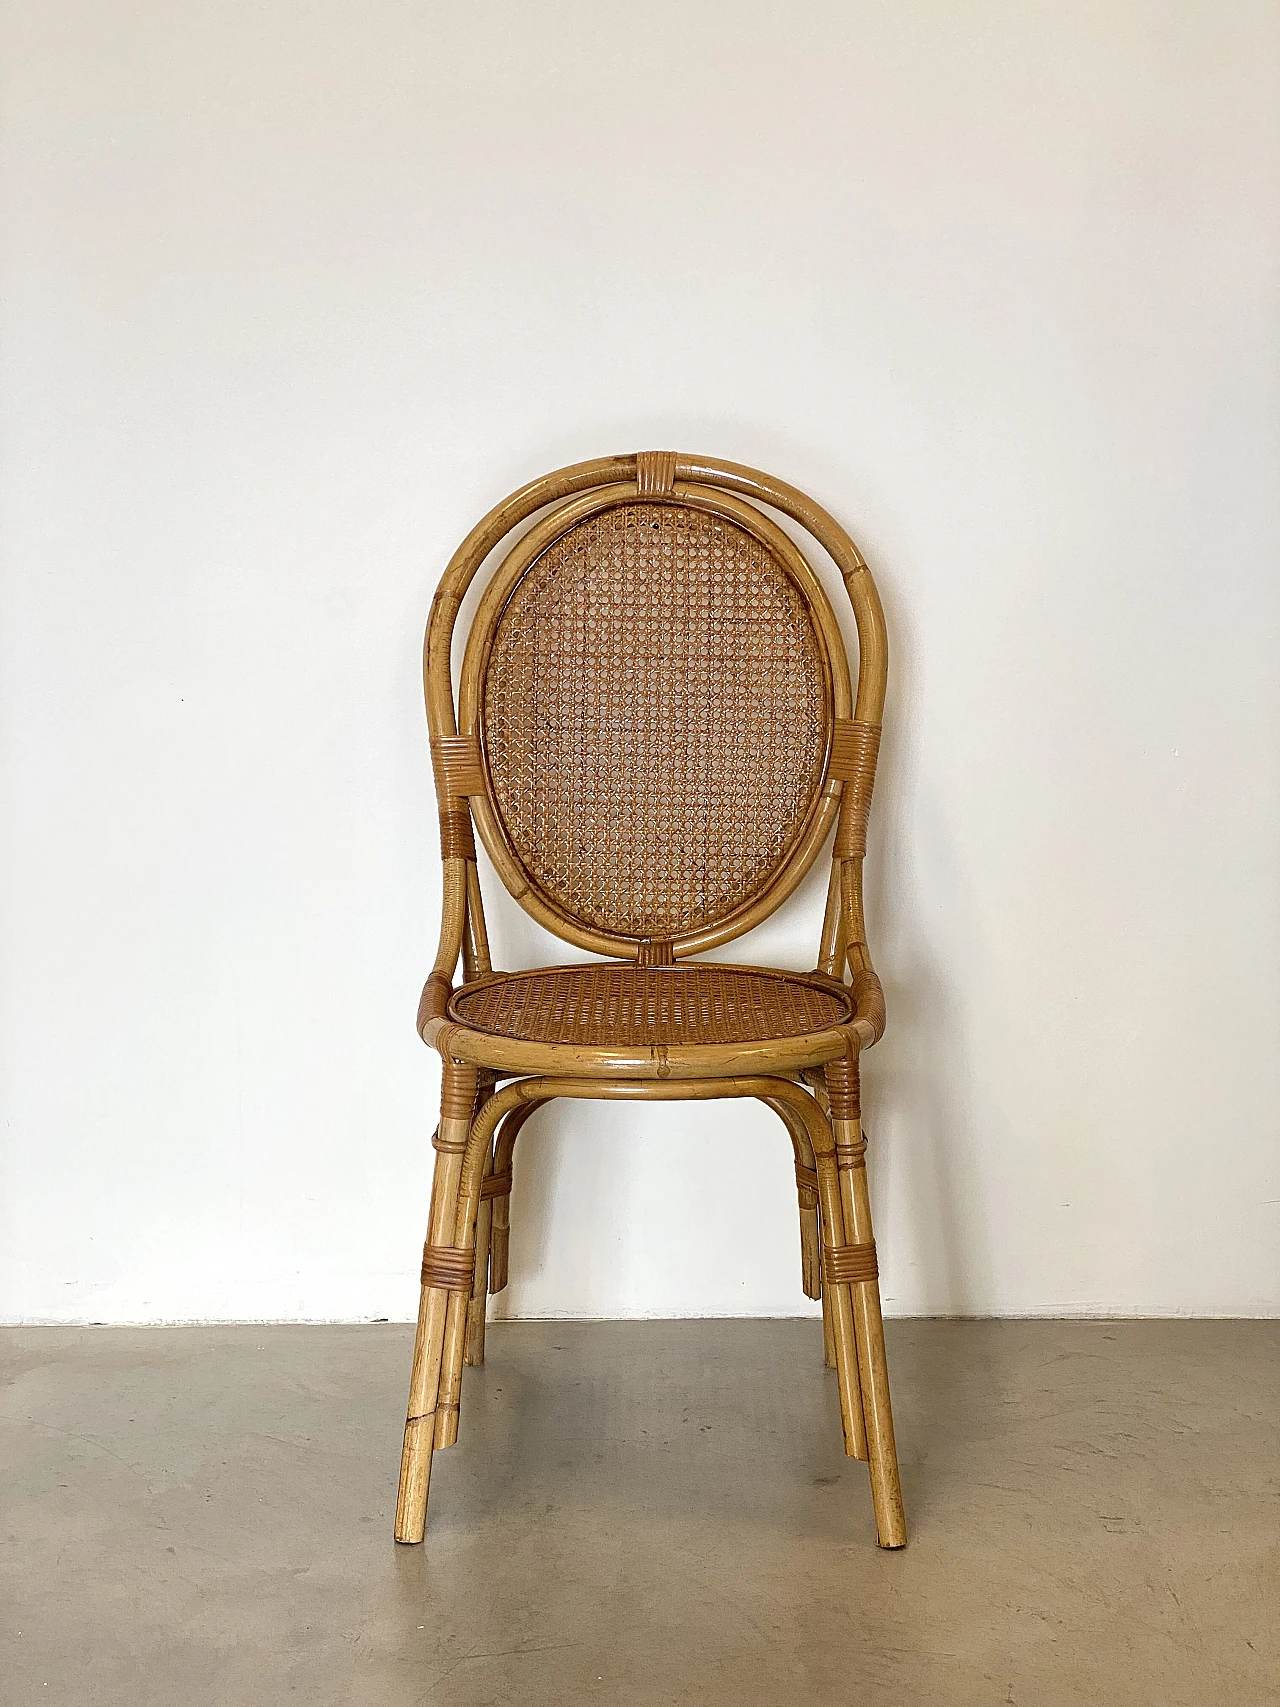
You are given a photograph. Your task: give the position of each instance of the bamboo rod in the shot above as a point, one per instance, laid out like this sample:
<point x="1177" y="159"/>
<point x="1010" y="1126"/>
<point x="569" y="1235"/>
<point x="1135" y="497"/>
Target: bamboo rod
<point x="477" y="1309"/>
<point x="829" y="960"/>
<point x="477" y="935"/>
<point x="428" y="1347"/>
<point x="886" y="1491"/>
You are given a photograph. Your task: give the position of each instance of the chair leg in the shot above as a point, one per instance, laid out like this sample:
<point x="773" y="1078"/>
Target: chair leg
<point x="458" y="1344"/>
<point x="868" y="1326"/>
<point x="449" y="1397"/>
<point x="817" y="1083"/>
<point x="811" y="1257"/>
<point x="839" y="1307"/>
<point x="806" y="1197"/>
<point x="477" y="1308"/>
<point x="828" y="1330"/>
<point x="499" y="1241"/>
<point x="504" y="1146"/>
<point x="810" y="1236"/>
<point x="457" y="1102"/>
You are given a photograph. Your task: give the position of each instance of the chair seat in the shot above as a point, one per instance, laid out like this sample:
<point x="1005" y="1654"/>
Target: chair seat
<point x="619" y="1005"/>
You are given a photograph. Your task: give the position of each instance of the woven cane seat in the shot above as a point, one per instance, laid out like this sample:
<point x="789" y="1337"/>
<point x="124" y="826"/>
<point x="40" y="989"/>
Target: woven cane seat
<point x="627" y="1006"/>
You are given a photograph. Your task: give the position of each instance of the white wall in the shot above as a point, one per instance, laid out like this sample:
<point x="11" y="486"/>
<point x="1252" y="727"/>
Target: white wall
<point x="292" y="292"/>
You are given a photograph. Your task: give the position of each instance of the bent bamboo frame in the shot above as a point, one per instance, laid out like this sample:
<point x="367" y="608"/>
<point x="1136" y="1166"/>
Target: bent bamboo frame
<point x="714" y="481"/>
<point x="467" y="1245"/>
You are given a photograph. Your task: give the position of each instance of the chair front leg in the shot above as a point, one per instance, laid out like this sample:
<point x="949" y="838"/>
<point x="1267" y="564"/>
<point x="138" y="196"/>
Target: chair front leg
<point x="856" y="1265"/>
<point x="442" y="1273"/>
<point x="462" y="1302"/>
<point x="838" y="1302"/>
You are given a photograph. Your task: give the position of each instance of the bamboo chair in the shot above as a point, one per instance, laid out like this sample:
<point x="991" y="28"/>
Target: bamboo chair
<point x="655" y="733"/>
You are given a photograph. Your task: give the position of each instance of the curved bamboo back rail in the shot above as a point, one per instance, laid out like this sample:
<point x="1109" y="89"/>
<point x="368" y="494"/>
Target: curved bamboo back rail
<point x="680" y="487"/>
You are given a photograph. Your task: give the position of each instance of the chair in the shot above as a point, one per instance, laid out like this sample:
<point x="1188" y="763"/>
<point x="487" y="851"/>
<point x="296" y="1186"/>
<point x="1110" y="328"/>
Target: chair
<point x="655" y="733"/>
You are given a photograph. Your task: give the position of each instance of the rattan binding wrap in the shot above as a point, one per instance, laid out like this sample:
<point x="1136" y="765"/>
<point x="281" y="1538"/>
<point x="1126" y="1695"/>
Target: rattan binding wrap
<point x="456" y="762"/>
<point x="627" y="1005"/>
<point x="844" y="1089"/>
<point x="458" y="1092"/>
<point x="458" y="772"/>
<point x="849" y="1264"/>
<point x="456" y="838"/>
<point x="452" y="1270"/>
<point x="655" y="472"/>
<point x="656" y="718"/>
<point x="854" y="749"/>
<point x="807" y="1186"/>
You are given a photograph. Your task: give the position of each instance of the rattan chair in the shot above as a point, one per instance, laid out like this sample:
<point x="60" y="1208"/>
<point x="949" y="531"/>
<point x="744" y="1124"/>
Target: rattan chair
<point x="655" y="734"/>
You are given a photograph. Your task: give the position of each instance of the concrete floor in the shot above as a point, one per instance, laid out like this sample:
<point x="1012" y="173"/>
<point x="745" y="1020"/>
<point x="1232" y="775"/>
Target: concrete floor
<point x="642" y="1513"/>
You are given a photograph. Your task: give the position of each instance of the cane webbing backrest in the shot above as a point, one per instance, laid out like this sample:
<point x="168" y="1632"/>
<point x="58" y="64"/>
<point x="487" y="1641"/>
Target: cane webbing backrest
<point x="655" y="719"/>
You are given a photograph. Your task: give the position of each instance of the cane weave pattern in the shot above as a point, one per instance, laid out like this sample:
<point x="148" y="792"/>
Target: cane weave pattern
<point x="622" y="1006"/>
<point x="656" y="713"/>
